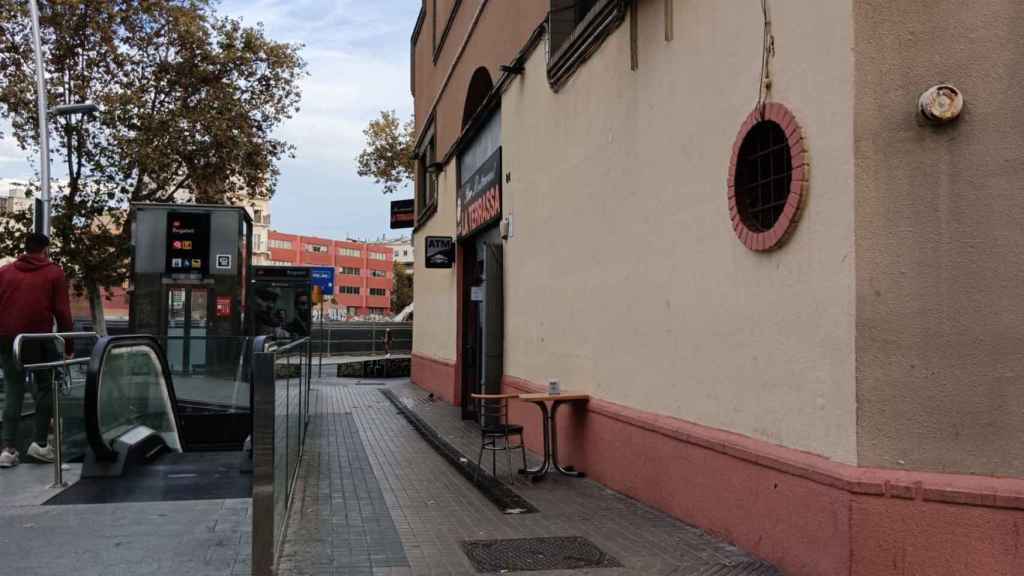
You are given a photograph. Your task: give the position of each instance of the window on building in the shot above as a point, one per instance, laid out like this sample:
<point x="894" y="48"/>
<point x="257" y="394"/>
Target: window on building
<point x="426" y="177"/>
<point x="767" y="178"/>
<point x="763" y="172"/>
<point x="282" y="244"/>
<point x="378" y="292"/>
<point x="350" y="290"/>
<point x="377" y="255"/>
<point x="257" y="216"/>
<point x="349" y="252"/>
<point x="575" y="29"/>
<point x="379" y="273"/>
<point x="565" y="16"/>
<point x="347" y="271"/>
<point x="352" y="311"/>
<point x="317" y="248"/>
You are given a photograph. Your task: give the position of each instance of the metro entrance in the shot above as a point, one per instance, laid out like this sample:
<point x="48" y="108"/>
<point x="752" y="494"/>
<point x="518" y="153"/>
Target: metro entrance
<point x="191" y="265"/>
<point x="186" y="328"/>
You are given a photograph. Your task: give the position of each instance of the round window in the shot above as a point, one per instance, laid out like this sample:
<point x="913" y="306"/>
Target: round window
<point x="767" y="177"/>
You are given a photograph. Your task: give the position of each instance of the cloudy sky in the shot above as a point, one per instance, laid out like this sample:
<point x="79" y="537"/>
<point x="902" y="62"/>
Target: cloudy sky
<point x="358" y="56"/>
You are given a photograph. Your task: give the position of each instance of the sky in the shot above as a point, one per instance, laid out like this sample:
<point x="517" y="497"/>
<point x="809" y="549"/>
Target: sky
<point x="358" y="62"/>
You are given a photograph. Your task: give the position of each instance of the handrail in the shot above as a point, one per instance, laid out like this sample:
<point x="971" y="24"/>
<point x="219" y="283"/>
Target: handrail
<point x="100" y="448"/>
<point x="290" y="345"/>
<point x="265" y="344"/>
<point x="61" y="339"/>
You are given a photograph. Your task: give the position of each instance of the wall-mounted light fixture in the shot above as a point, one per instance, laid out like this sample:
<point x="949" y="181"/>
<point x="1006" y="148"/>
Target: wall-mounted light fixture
<point x="941" y="104"/>
<point x="435" y="168"/>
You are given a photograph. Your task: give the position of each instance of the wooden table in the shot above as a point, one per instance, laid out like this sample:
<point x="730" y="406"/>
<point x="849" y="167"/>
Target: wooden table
<point x="551" y="430"/>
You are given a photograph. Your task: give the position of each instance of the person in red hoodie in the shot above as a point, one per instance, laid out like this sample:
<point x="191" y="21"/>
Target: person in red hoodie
<point x="33" y="293"/>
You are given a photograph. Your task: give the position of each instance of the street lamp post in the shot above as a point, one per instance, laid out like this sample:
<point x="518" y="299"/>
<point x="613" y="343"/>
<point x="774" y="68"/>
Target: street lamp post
<point x="42" y="220"/>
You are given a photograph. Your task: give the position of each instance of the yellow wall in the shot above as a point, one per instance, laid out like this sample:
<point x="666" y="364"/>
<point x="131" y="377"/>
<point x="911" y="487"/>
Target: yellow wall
<point x="434" y="290"/>
<point x="624" y="277"/>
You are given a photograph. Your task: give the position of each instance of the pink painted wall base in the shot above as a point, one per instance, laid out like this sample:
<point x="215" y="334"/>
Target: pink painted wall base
<point x="437" y="376"/>
<point x="808" y="515"/>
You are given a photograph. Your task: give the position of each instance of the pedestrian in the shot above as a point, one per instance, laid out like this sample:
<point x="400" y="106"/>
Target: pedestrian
<point x="33" y="294"/>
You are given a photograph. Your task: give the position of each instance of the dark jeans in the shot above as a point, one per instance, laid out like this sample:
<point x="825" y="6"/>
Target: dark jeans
<point x="14" y="393"/>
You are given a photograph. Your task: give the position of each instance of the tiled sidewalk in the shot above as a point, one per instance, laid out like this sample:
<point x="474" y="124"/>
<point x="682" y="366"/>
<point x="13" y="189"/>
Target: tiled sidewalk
<point x="374" y="498"/>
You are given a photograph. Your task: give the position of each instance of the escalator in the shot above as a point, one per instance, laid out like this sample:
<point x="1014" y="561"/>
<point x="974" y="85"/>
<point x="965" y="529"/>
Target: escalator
<point x="140" y="445"/>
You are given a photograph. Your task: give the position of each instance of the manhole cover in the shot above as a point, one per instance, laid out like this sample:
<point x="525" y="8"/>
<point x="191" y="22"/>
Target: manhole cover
<point x="521" y="554"/>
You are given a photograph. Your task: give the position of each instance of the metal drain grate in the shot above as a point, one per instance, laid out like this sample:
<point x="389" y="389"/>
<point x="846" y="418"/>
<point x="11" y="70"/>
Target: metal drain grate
<point x="521" y="554"/>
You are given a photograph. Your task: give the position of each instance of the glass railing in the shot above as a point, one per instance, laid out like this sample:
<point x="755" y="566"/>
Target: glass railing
<point x="209" y="371"/>
<point x="281" y="374"/>
<point x="129" y="385"/>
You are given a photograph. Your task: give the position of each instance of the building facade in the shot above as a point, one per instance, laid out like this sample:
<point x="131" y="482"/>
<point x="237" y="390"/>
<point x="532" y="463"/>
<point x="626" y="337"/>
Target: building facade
<point x="403" y="250"/>
<point x="15" y="196"/>
<point x="823" y="367"/>
<point x="363" y="271"/>
<point x="259" y="211"/>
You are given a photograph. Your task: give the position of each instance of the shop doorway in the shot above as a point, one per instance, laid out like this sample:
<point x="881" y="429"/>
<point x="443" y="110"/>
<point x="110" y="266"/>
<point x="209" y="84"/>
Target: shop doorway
<point x="483" y="326"/>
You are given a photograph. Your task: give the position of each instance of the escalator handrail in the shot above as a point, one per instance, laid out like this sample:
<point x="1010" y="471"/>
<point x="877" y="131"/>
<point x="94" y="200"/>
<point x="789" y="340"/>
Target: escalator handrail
<point x="100" y="448"/>
<point x="265" y="344"/>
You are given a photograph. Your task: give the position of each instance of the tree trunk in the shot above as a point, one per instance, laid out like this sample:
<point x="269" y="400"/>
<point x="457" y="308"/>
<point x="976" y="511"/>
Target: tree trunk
<point x="99" y="321"/>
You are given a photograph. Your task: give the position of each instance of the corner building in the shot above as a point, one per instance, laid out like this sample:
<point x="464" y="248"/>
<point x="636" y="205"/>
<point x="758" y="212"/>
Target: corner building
<point x="797" y="312"/>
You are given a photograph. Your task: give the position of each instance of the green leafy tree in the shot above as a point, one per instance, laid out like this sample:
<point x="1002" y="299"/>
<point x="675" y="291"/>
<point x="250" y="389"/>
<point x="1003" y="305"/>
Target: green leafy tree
<point x="401" y="290"/>
<point x="190" y="102"/>
<point x="388" y="154"/>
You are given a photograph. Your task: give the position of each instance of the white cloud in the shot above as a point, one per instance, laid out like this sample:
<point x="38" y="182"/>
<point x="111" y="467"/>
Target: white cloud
<point x="13" y="160"/>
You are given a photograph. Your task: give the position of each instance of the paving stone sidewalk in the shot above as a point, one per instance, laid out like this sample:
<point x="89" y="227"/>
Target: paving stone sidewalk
<point x="374" y="498"/>
<point x="196" y="538"/>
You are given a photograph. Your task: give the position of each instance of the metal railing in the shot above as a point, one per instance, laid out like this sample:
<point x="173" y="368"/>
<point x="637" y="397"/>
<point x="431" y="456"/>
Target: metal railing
<point x="281" y="378"/>
<point x="360" y="338"/>
<point x="60" y="340"/>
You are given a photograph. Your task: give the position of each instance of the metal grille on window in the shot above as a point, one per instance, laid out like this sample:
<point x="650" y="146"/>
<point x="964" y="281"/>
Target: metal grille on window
<point x="763" y="175"/>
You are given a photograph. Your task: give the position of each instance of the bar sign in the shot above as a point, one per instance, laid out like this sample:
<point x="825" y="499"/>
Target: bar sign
<point x="403" y="214"/>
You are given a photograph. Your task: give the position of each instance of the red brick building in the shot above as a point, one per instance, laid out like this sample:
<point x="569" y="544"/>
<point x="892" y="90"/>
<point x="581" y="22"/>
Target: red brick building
<point x="363" y="271"/>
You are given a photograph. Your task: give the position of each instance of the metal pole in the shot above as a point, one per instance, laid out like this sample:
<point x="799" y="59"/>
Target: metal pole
<point x="44" y="133"/>
<point x="320" y="373"/>
<point x="58" y="427"/>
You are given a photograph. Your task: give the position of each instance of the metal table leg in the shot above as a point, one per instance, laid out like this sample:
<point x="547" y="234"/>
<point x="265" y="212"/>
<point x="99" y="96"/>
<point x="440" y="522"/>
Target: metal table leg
<point x="540" y="471"/>
<point x="568" y="470"/>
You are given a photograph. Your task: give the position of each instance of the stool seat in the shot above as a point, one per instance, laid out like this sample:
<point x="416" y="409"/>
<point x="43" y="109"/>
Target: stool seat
<point x="502" y="429"/>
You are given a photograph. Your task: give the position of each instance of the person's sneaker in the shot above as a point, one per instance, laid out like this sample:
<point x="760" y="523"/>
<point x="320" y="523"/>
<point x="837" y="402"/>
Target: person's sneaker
<point x="8" y="459"/>
<point x="41" y="454"/>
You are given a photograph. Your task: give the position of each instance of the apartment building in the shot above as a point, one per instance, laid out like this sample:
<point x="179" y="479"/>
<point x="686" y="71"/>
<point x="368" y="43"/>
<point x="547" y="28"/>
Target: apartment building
<point x="363" y="271"/>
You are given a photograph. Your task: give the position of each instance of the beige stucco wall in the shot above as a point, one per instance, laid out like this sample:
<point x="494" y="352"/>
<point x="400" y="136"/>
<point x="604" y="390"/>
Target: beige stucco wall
<point x="623" y="275"/>
<point x="940" y="244"/>
<point x="434" y="290"/>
